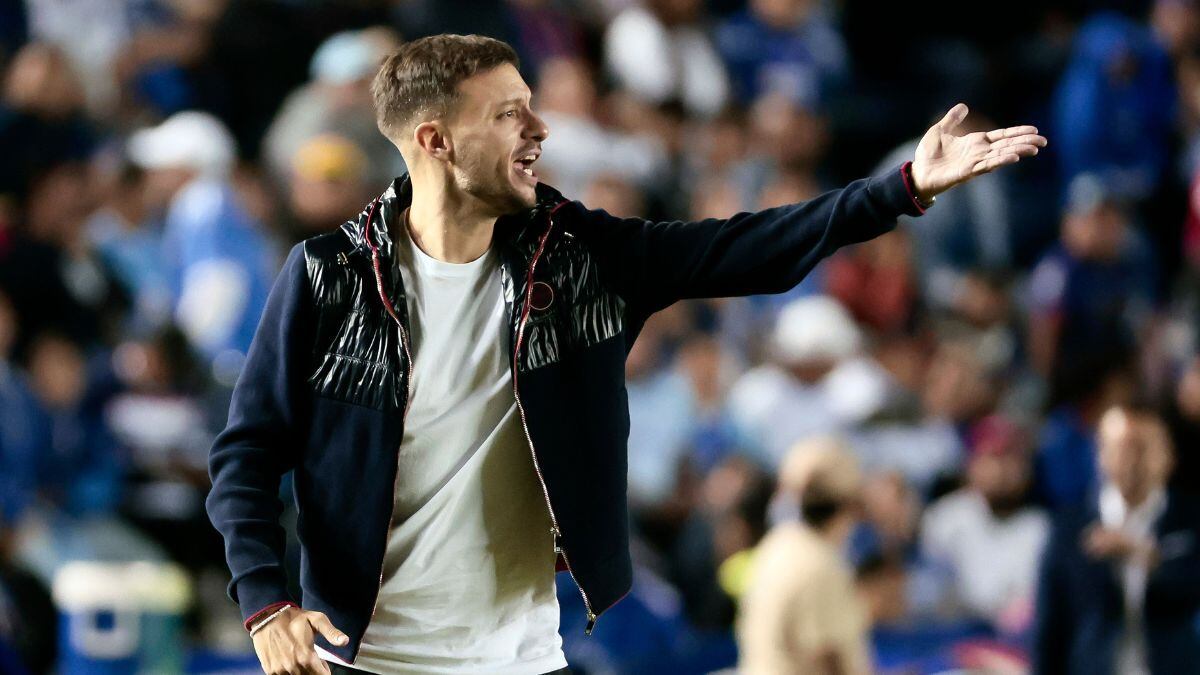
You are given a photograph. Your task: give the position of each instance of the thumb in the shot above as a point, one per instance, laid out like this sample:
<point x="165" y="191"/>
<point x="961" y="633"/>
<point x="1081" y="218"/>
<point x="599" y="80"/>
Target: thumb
<point x="324" y="626"/>
<point x="954" y="117"/>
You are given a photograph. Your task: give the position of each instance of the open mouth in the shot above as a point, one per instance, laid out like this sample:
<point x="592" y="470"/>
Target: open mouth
<point x="524" y="166"/>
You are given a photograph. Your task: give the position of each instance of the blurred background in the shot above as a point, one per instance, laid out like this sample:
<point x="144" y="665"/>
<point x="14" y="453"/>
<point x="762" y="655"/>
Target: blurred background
<point x="158" y="156"/>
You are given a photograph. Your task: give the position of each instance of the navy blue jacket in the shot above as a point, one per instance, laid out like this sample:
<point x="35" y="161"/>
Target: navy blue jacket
<point x="1080" y="605"/>
<point x="324" y="388"/>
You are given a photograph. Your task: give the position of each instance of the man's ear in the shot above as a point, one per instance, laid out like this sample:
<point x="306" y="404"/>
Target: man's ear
<point x="433" y="139"/>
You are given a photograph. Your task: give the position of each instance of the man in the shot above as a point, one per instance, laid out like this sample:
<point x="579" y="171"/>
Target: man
<point x="1118" y="590"/>
<point x="801" y="612"/>
<point x="817" y="381"/>
<point x="444" y="376"/>
<point x="985" y="536"/>
<point x="1095" y="288"/>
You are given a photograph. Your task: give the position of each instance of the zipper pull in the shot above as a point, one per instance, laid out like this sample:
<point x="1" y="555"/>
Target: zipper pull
<point x="343" y="259"/>
<point x="554" y="533"/>
<point x="591" y="623"/>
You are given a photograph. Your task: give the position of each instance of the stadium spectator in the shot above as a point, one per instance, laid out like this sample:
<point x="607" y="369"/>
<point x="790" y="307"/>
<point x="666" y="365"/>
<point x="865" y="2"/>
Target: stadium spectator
<point x="129" y="243"/>
<point x="1066" y="459"/>
<point x="984" y="535"/>
<point x="1095" y="289"/>
<point x="1118" y="591"/>
<point x="336" y="101"/>
<point x="42" y="122"/>
<point x="1114" y="106"/>
<point x="875" y="283"/>
<point x="220" y="259"/>
<point x="786" y="47"/>
<point x="581" y="148"/>
<point x="328" y="181"/>
<point x="658" y="51"/>
<point x="819" y="381"/>
<point x="800" y="611"/>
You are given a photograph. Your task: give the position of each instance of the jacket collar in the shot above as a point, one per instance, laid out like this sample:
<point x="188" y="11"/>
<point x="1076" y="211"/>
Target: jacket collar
<point x="382" y="213"/>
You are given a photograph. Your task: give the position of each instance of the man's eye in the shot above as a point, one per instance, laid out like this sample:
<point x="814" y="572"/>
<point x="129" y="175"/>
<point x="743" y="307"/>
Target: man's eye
<point x="510" y="113"/>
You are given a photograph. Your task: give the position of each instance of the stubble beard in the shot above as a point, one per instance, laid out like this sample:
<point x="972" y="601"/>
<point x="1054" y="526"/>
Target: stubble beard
<point x="497" y="192"/>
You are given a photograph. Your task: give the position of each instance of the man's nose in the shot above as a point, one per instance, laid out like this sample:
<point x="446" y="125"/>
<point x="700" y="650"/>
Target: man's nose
<point x="537" y="129"/>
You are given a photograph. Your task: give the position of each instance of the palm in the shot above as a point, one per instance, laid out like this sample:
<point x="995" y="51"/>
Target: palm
<point x="945" y="159"/>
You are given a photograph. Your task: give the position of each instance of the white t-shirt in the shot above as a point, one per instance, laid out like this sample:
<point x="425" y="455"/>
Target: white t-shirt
<point x="1133" y="572"/>
<point x="468" y="575"/>
<point x="994" y="560"/>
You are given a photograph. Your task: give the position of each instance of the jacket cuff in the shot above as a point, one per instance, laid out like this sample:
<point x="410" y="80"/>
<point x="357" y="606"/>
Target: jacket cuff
<point x="894" y="190"/>
<point x="260" y="593"/>
<point x="267" y="611"/>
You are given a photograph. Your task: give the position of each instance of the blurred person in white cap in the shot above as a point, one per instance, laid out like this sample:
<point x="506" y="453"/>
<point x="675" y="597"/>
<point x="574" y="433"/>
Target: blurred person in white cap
<point x="801" y="611"/>
<point x="818" y="381"/>
<point x="220" y="260"/>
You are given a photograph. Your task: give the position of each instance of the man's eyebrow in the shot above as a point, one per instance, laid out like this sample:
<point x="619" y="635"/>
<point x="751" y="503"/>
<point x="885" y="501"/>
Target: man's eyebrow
<point x="509" y="101"/>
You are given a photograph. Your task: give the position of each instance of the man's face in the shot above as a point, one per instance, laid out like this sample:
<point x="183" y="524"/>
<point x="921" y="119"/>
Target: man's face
<point x="1135" y="453"/>
<point x="1000" y="477"/>
<point x="496" y="139"/>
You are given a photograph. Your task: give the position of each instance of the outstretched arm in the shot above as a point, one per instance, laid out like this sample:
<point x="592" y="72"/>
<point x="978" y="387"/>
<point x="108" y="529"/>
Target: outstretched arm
<point x="655" y="264"/>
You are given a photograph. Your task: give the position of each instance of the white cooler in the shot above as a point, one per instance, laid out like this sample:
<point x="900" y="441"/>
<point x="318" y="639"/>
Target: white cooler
<point x="121" y="618"/>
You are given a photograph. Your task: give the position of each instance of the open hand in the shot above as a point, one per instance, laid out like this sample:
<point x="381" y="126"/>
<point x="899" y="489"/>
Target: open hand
<point x="285" y="645"/>
<point x="945" y="159"/>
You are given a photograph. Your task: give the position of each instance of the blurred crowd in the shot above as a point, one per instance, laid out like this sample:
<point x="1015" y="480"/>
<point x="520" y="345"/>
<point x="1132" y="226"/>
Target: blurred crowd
<point x="969" y="415"/>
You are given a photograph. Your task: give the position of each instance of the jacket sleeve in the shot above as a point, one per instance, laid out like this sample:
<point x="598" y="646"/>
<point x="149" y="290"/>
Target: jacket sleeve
<point x="655" y="264"/>
<point x="260" y="441"/>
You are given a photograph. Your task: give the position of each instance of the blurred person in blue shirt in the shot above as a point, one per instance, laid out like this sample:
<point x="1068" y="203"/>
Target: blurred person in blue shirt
<point x="221" y="262"/>
<point x="1114" y="110"/>
<point x="783" y="46"/>
<point x="1066" y="471"/>
<point x="27" y="617"/>
<point x="20" y="436"/>
<point x="129" y="243"/>
<point x="80" y="470"/>
<point x="1095" y="288"/>
<point x="78" y="466"/>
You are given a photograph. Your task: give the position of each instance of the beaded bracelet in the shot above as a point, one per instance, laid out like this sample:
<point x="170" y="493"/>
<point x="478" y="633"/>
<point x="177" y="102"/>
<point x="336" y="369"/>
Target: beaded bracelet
<point x="255" y="628"/>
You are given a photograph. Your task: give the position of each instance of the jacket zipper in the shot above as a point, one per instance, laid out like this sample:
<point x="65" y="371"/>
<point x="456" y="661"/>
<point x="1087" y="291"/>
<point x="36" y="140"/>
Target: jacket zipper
<point x="554" y="529"/>
<point x="387" y="304"/>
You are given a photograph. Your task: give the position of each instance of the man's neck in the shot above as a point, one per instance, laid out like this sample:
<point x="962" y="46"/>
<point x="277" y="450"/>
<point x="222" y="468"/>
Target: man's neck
<point x="446" y="228"/>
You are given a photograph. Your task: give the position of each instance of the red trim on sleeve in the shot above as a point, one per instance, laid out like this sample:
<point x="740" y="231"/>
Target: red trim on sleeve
<point x="906" y="174"/>
<point x="266" y="611"/>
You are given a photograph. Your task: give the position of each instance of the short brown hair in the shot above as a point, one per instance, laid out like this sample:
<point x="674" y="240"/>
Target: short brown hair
<point x="421" y="78"/>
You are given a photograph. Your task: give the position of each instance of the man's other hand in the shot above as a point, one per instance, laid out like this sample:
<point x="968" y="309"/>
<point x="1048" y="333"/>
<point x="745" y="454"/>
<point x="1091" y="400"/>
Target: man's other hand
<point x="945" y="159"/>
<point x="285" y="645"/>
